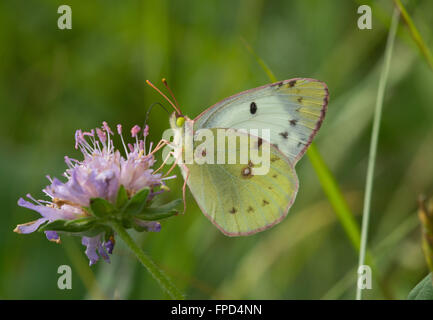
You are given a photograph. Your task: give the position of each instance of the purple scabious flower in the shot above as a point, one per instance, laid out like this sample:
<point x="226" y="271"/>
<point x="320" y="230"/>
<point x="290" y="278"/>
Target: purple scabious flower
<point x="99" y="175"/>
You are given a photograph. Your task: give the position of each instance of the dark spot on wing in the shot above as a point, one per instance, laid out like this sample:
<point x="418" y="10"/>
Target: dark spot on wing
<point x="291" y="83"/>
<point x="250" y="209"/>
<point x="284" y="134"/>
<point x="270" y="188"/>
<point x="293" y="122"/>
<point x="300" y="144"/>
<point x="203" y="153"/>
<point x="265" y="202"/>
<point x="246" y="172"/>
<point x="300" y="99"/>
<point x="253" y="107"/>
<point x="233" y="210"/>
<point x="274" y="176"/>
<point x="274" y="159"/>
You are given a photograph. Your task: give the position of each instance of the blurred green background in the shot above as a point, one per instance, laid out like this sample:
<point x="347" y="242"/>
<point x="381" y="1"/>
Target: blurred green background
<point x="54" y="81"/>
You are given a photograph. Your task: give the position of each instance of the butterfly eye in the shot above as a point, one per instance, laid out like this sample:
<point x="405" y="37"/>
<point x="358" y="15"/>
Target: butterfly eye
<point x="180" y="121"/>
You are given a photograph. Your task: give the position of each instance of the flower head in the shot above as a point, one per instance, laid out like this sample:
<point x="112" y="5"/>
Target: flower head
<point x="99" y="188"/>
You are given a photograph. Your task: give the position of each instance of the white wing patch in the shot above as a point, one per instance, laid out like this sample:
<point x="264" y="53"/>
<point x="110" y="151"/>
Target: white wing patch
<point x="292" y="110"/>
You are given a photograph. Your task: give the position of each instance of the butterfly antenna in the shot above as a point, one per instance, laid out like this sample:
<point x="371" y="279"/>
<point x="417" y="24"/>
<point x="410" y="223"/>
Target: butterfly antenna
<point x="150" y="108"/>
<point x="164" y="81"/>
<point x="165" y="97"/>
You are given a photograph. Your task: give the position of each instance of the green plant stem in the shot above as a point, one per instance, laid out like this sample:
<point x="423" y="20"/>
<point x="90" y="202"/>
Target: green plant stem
<point x="153" y="269"/>
<point x="416" y="36"/>
<point x="374" y="142"/>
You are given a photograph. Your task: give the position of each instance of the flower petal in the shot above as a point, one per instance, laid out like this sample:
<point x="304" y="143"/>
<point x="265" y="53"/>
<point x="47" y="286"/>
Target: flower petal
<point x="92" y="245"/>
<point x="29" y="227"/>
<point x="46" y="212"/>
<point x="52" y="236"/>
<point x="109" y="246"/>
<point x="103" y="253"/>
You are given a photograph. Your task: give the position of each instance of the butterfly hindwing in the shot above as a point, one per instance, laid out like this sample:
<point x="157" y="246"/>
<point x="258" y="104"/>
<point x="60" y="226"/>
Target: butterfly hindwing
<point x="238" y="202"/>
<point x="293" y="110"/>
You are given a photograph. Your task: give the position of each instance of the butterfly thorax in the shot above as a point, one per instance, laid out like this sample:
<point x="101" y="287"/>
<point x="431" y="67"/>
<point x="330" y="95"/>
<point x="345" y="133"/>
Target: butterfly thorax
<point x="180" y="129"/>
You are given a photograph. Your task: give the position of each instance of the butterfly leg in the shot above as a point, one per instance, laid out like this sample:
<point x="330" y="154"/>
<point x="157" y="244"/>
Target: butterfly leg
<point x="171" y="168"/>
<point x="164" y="162"/>
<point x="160" y="144"/>
<point x="184" y="188"/>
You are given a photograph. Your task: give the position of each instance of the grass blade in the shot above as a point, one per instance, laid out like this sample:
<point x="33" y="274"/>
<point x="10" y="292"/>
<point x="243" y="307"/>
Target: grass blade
<point x="391" y="241"/>
<point x="416" y="36"/>
<point x="374" y="142"/>
<point x="335" y="196"/>
<point x="260" y="61"/>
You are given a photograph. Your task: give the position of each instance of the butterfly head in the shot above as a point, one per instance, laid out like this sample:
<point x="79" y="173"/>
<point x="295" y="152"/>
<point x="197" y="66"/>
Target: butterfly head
<point x="173" y="121"/>
<point x="177" y="121"/>
<point x="180" y="121"/>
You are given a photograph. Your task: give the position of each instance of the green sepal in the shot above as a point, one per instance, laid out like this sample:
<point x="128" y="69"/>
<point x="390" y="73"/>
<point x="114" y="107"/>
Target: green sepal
<point x="137" y="227"/>
<point x="101" y="208"/>
<point x="122" y="197"/>
<point x="108" y="232"/>
<point x="137" y="203"/>
<point x="165" y="208"/>
<point x="161" y="212"/>
<point x="71" y="226"/>
<point x="156" y="215"/>
<point x="88" y="233"/>
<point x="126" y="222"/>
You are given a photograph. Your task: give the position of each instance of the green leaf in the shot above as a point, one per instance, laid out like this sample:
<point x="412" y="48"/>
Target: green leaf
<point x="156" y="216"/>
<point x="161" y="212"/>
<point x="127" y="222"/>
<point x="168" y="207"/>
<point x="423" y="290"/>
<point x="138" y="202"/>
<point x="77" y="225"/>
<point x="101" y="208"/>
<point x="137" y="227"/>
<point x="122" y="197"/>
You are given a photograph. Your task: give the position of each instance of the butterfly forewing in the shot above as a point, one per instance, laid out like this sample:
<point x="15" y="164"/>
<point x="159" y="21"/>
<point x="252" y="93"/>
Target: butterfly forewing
<point x="292" y="110"/>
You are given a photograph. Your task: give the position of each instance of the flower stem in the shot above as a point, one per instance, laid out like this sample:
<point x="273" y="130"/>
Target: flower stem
<point x="374" y="142"/>
<point x="145" y="260"/>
